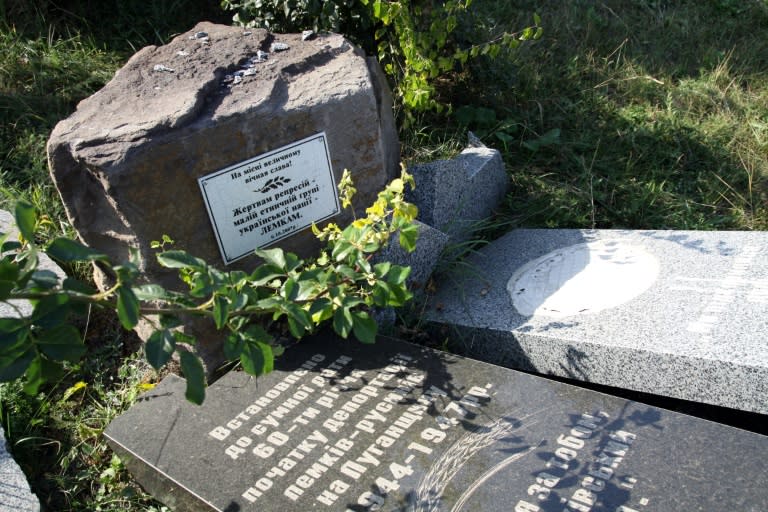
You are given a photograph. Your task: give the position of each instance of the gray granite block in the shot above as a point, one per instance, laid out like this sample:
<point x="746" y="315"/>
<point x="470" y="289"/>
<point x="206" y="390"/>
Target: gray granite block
<point x="682" y="314"/>
<point x="422" y="261"/>
<point x="15" y="495"/>
<point x="429" y="245"/>
<point x="454" y="195"/>
<point x="345" y="426"/>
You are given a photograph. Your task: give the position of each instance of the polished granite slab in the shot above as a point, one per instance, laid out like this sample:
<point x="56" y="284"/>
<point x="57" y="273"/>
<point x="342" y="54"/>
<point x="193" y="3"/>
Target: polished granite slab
<point x="392" y="426"/>
<point x="682" y="314"/>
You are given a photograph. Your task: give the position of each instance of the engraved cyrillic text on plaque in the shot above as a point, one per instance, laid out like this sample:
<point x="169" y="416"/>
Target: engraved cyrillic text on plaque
<point x="260" y="201"/>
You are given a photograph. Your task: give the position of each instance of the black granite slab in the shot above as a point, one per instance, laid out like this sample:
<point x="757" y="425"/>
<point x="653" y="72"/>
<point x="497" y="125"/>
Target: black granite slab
<point x="392" y="426"/>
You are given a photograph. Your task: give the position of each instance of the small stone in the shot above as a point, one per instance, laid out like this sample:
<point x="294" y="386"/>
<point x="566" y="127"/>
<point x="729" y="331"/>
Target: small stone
<point x="261" y="56"/>
<point x="249" y="72"/>
<point x="199" y="35"/>
<point x="247" y="33"/>
<point x="182" y="53"/>
<point x="307" y="35"/>
<point x="278" y="47"/>
<point x="162" y="68"/>
<point x="237" y="79"/>
<point x="474" y="141"/>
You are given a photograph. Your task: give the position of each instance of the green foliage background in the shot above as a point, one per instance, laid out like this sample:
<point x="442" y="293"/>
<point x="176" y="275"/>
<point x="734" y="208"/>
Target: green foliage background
<point x="416" y="41"/>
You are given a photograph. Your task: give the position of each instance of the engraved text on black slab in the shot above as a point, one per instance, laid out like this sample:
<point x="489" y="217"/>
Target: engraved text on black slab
<point x="326" y="428"/>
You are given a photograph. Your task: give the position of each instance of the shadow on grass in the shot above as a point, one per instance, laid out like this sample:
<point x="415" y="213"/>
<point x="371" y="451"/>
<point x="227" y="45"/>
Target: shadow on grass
<point x="658" y="106"/>
<point x="118" y="25"/>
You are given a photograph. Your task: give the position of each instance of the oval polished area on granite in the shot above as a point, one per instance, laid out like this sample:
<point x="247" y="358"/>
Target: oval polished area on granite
<point x="582" y="278"/>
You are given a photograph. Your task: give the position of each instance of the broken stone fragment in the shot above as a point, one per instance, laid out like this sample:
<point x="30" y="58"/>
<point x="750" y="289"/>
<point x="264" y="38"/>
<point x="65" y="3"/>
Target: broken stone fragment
<point x="455" y="195"/>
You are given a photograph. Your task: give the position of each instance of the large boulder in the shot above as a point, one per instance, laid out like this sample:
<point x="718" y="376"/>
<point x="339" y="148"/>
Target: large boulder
<point x="127" y="162"/>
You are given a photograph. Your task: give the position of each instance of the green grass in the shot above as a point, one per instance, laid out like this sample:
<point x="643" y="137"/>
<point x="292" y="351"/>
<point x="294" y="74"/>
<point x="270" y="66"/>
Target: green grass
<point x="41" y="80"/>
<point x="56" y="436"/>
<point x="53" y="57"/>
<point x="627" y="114"/>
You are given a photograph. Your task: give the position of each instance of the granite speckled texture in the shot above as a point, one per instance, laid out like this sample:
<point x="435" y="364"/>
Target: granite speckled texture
<point x="15" y="495"/>
<point x="8" y="225"/>
<point x="454" y="195"/>
<point x="344" y="426"/>
<point x="695" y="329"/>
<point x="429" y="244"/>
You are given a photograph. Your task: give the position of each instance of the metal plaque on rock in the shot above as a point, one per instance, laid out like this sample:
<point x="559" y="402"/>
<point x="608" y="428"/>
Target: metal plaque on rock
<point x="255" y="203"/>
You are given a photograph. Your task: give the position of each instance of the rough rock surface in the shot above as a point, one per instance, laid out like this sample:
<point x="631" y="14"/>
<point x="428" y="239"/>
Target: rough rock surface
<point x="126" y="162"/>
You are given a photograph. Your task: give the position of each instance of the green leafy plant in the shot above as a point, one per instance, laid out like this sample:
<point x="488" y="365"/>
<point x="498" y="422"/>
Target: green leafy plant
<point x="486" y="125"/>
<point x="344" y="16"/>
<point x="340" y="287"/>
<point x="414" y="40"/>
<point x="416" y="45"/>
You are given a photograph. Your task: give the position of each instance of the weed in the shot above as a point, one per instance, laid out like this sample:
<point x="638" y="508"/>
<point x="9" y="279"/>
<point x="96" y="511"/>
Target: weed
<point x="425" y="144"/>
<point x="41" y="80"/>
<point x="56" y="436"/>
